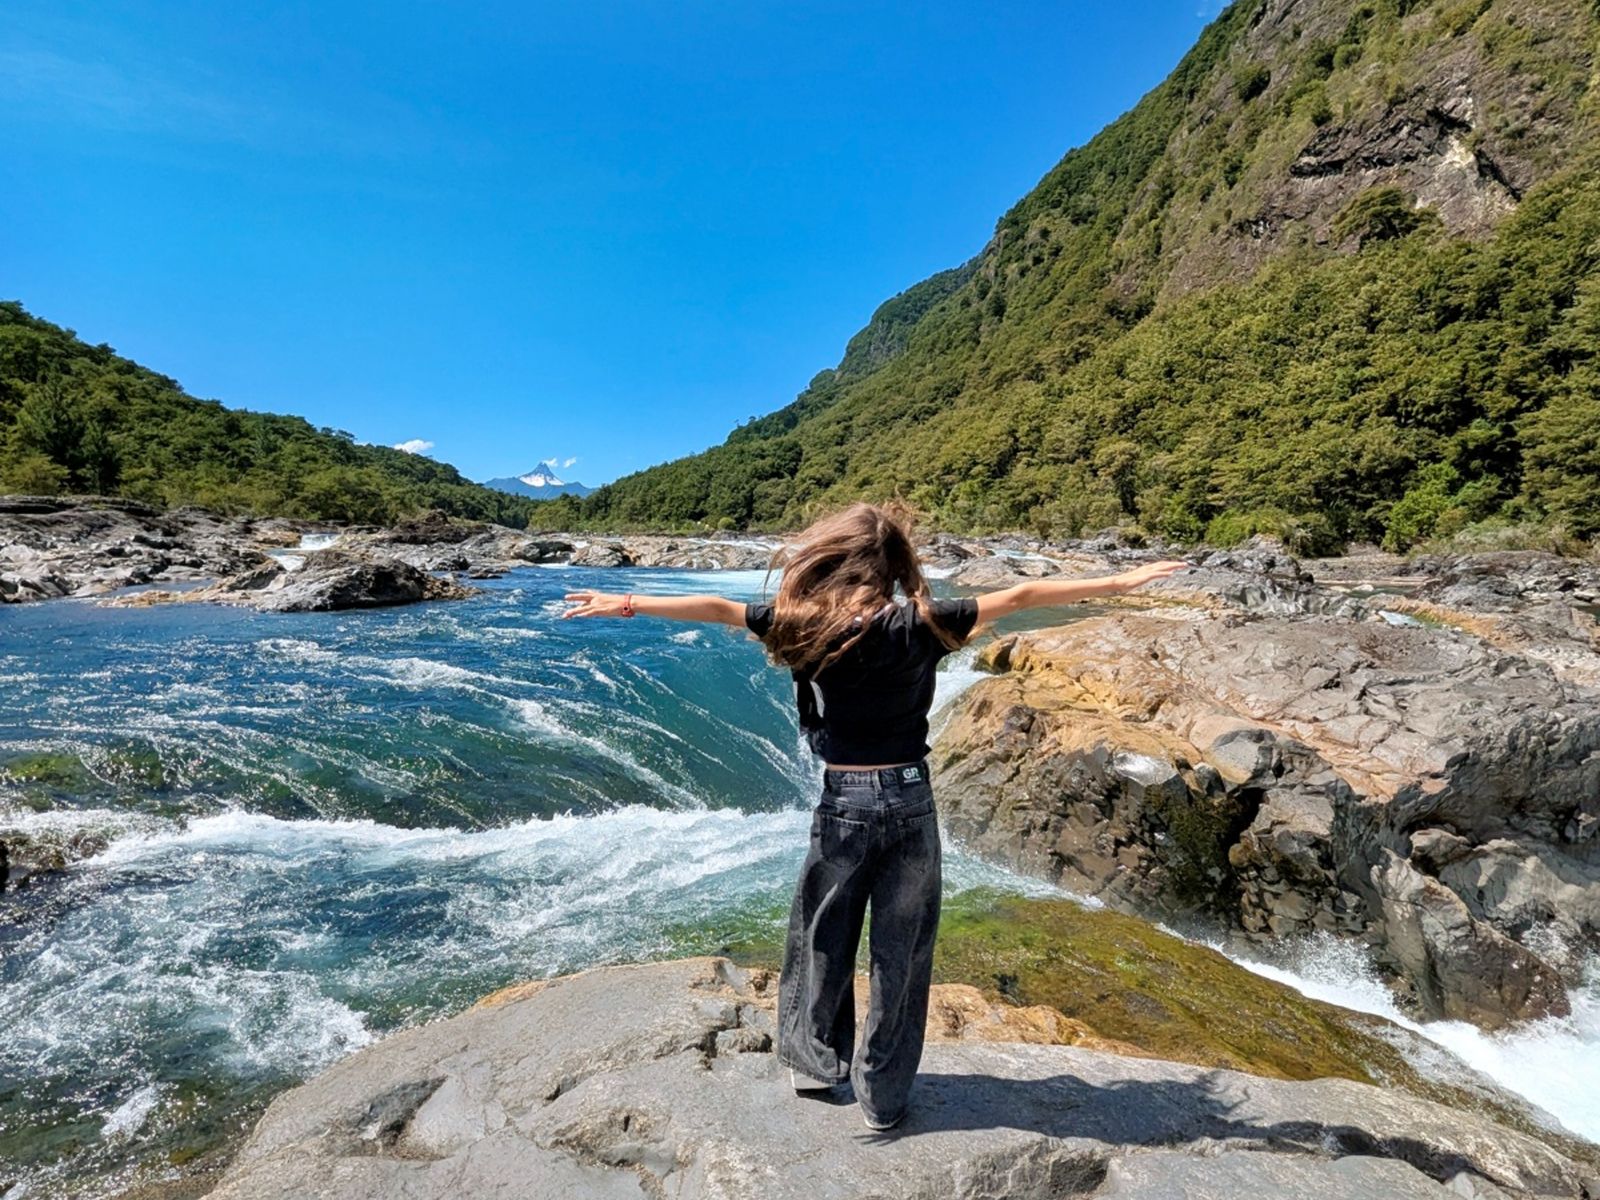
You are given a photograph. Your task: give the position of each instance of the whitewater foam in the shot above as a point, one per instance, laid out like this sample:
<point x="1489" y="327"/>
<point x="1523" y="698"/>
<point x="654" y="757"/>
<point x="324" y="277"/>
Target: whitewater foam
<point x="129" y="1116"/>
<point x="1553" y="1063"/>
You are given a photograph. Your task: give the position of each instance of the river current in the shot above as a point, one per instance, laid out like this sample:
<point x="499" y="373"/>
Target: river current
<point x="324" y="827"/>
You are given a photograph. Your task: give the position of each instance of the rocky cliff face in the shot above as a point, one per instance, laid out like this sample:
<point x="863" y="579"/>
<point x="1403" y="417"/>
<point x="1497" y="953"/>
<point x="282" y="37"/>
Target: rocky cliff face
<point x="659" y="1081"/>
<point x="1461" y="109"/>
<point x="1413" y="786"/>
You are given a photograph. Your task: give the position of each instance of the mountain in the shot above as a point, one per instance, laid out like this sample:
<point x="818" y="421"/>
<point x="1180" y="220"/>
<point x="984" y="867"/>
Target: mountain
<point x="539" y="483"/>
<point x="81" y="418"/>
<point x="1335" y="277"/>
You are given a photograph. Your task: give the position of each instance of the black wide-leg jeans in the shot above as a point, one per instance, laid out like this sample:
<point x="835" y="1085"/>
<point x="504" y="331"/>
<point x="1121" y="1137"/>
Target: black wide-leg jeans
<point x="874" y="840"/>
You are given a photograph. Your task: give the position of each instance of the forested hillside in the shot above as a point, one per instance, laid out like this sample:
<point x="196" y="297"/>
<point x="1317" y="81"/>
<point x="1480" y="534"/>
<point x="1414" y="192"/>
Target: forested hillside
<point x="1335" y="277"/>
<point x="81" y="418"/>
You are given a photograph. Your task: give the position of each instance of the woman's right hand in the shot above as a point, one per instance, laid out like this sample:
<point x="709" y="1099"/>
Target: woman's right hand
<point x="594" y="604"/>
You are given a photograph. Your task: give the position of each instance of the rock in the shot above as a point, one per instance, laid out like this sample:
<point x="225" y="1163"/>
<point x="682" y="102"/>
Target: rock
<point x="1257" y="577"/>
<point x="600" y="554"/>
<point x="26" y="858"/>
<point x="39" y="583"/>
<point x="1004" y="570"/>
<point x="1496" y="580"/>
<point x="1464" y="968"/>
<point x="328" y="581"/>
<point x="332" y="580"/>
<point x="619" y="1082"/>
<point x="1126" y="983"/>
<point x="1267" y="770"/>
<point x="1537" y="605"/>
<point x="543" y="550"/>
<point x="88" y="545"/>
<point x="697" y="554"/>
<point x="943" y="550"/>
<point x="1531" y="892"/>
<point x="432" y="527"/>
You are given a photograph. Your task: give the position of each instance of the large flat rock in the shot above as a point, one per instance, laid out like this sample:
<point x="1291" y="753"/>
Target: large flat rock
<point x="659" y="1081"/>
<point x="1418" y="788"/>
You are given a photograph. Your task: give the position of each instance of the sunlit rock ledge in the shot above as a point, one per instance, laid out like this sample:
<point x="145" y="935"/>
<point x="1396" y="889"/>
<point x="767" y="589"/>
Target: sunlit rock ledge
<point x="1417" y="787"/>
<point x="659" y="1080"/>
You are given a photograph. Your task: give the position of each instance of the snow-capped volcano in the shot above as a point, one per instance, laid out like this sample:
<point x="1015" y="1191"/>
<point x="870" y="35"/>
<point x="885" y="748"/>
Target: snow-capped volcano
<point x="540" y="483"/>
<point x="538" y="479"/>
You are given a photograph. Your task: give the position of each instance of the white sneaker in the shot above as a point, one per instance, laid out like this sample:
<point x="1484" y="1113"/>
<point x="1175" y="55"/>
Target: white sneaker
<point x="804" y="1083"/>
<point x="880" y="1126"/>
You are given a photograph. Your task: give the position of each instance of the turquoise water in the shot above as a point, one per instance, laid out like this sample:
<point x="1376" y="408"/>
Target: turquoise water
<point x="325" y="827"/>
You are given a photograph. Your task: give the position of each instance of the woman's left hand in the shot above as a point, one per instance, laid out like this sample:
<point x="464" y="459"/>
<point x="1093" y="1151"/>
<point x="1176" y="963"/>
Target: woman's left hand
<point x="594" y="604"/>
<point x="1151" y="572"/>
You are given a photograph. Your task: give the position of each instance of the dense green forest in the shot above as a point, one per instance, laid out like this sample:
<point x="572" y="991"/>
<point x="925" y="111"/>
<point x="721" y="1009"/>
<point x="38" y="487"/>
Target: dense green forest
<point x="79" y="418"/>
<point x="1338" y="277"/>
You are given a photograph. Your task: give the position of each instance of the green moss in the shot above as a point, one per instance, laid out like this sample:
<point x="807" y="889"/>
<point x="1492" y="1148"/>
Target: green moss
<point x="1200" y="830"/>
<point x="56" y="769"/>
<point x="1131" y="982"/>
<point x="136" y="766"/>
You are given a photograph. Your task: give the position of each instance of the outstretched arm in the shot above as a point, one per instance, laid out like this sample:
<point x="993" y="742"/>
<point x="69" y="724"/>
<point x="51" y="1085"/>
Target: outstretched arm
<point x="1042" y="593"/>
<point x="677" y="608"/>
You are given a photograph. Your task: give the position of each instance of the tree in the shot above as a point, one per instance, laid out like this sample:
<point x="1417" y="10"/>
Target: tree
<point x="51" y="423"/>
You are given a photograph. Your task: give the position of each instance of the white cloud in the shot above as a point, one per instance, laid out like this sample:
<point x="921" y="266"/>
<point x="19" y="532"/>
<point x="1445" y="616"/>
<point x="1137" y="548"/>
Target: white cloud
<point x="414" y="446"/>
<point x="567" y="462"/>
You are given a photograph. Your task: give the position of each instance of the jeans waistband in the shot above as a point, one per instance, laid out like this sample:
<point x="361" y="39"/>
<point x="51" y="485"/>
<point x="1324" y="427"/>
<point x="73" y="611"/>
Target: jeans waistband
<point x="879" y="778"/>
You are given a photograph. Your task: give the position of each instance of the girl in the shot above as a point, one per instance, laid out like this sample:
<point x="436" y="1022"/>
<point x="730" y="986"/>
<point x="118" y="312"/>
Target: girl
<point x="863" y="664"/>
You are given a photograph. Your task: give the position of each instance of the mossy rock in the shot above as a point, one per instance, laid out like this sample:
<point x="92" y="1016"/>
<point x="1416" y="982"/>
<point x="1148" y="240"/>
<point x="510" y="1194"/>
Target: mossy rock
<point x="1131" y="982"/>
<point x="59" y="769"/>
<point x="134" y="765"/>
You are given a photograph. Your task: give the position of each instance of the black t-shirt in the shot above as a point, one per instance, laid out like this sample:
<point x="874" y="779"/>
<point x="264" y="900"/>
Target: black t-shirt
<point x="871" y="704"/>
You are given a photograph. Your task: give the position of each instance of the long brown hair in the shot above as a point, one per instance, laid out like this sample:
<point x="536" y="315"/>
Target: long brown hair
<point x="841" y="567"/>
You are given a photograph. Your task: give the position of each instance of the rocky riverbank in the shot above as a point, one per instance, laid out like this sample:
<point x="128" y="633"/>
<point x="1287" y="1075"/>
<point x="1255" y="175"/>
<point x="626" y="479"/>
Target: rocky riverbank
<point x="660" y="1080"/>
<point x="1430" y="788"/>
<point x="85" y="546"/>
<point x="52" y="547"/>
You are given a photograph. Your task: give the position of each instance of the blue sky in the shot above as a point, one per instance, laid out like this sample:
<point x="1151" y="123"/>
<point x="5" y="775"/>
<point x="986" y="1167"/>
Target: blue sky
<point x="602" y="231"/>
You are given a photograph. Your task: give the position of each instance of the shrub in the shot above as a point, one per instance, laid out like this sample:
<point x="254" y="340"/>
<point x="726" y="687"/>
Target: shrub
<point x="1250" y="81"/>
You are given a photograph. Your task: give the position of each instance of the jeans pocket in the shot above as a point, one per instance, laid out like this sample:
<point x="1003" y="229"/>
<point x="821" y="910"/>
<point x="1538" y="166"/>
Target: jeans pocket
<point x="917" y="835"/>
<point x="839" y="843"/>
<point x="832" y="810"/>
<point x="853" y="795"/>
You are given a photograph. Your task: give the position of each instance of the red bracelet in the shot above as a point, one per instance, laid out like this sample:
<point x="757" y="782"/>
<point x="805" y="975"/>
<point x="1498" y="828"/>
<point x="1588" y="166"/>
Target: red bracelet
<point x="627" y="605"/>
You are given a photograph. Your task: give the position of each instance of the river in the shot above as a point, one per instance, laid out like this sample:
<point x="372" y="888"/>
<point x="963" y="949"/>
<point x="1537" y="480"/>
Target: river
<point x="324" y="827"/>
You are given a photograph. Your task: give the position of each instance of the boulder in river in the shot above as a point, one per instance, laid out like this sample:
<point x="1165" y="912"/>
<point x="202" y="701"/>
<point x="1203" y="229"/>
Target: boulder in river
<point x="28" y="857"/>
<point x="1413" y="787"/>
<point x="660" y="1080"/>
<point x="332" y="580"/>
<point x="327" y="581"/>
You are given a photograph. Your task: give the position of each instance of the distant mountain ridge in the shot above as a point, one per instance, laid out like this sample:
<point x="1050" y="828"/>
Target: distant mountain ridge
<point x="1334" y="278"/>
<point x="539" y="483"/>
